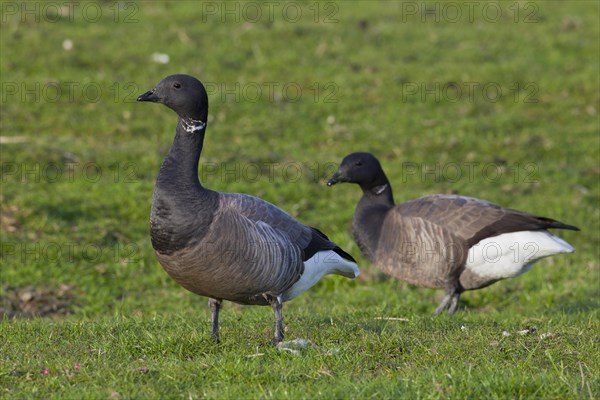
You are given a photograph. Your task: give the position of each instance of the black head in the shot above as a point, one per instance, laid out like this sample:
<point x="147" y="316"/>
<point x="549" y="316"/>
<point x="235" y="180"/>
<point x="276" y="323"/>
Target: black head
<point x="183" y="94"/>
<point x="361" y="168"/>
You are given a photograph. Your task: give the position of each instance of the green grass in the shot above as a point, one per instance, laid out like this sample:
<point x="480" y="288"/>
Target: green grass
<point x="76" y="192"/>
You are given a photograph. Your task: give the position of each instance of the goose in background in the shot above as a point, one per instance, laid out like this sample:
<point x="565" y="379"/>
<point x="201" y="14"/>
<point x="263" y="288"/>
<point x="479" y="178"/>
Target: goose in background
<point x="442" y="241"/>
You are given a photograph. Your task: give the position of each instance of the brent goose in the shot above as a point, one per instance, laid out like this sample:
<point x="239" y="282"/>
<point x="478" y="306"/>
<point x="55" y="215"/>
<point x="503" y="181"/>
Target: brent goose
<point x="228" y="246"/>
<point x="441" y="241"/>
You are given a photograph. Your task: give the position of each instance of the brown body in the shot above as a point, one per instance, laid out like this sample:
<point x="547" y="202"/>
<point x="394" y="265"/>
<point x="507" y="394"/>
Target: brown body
<point x="427" y="241"/>
<point x="249" y="250"/>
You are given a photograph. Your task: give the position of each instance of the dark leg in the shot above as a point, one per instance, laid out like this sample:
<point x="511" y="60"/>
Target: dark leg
<point x="449" y="302"/>
<point x="277" y="304"/>
<point x="443" y="305"/>
<point x="215" y="306"/>
<point x="453" y="306"/>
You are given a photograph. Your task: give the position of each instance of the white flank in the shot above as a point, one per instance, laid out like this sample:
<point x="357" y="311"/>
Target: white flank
<point x="321" y="264"/>
<point x="511" y="254"/>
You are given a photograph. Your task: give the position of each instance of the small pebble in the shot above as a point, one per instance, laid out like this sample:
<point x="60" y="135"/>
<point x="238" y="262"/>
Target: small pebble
<point x="161" y="58"/>
<point x="67" y="44"/>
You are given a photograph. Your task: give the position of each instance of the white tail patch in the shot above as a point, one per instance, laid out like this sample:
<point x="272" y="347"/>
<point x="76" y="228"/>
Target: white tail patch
<point x="321" y="264"/>
<point x="511" y="254"/>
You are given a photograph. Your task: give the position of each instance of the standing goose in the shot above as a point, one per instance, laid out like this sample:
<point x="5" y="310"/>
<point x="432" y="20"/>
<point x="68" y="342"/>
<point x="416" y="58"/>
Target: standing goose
<point x="228" y="246"/>
<point x="441" y="241"/>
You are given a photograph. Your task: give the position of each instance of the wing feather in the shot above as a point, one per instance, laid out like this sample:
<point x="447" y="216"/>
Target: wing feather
<point x="474" y="219"/>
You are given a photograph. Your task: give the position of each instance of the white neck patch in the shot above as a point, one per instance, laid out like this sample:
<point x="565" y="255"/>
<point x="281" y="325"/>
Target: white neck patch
<point x="379" y="189"/>
<point x="192" y="125"/>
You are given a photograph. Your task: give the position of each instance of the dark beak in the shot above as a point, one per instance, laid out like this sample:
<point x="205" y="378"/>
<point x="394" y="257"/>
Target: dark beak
<point x="336" y="178"/>
<point x="150" y="95"/>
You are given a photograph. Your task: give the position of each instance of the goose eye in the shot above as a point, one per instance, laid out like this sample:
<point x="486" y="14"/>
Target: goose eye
<point x="176" y="85"/>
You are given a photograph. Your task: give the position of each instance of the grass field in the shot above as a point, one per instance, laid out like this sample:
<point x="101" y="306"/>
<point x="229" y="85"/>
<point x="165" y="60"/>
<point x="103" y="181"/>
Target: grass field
<point x="493" y="100"/>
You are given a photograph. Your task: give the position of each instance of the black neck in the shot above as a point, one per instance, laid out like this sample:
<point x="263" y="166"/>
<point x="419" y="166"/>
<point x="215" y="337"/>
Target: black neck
<point x="381" y="194"/>
<point x="180" y="167"/>
<point x="378" y="190"/>
<point x="370" y="214"/>
<point x="182" y="210"/>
